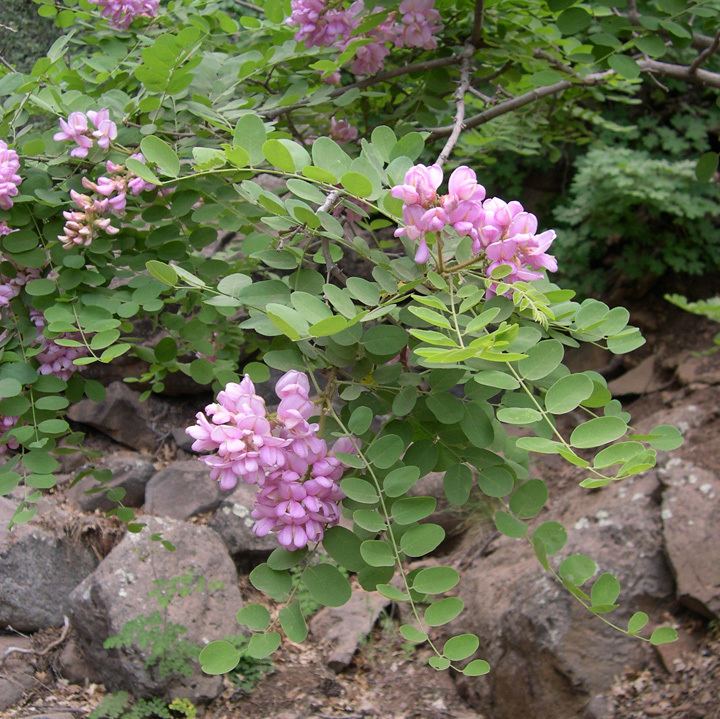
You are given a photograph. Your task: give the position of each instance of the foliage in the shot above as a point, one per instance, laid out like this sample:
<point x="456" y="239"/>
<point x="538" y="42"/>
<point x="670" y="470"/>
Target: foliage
<point x="119" y="705"/>
<point x="631" y="214"/>
<point x="170" y="192"/>
<point x="23" y="38"/>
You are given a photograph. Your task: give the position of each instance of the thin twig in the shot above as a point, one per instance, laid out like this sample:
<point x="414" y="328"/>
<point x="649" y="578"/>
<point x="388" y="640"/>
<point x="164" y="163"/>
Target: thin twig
<point x="705" y="55"/>
<point x="249" y="6"/>
<point x="458" y="124"/>
<point x="681" y="72"/>
<point x="56" y="643"/>
<point x="493" y="75"/>
<point x="476" y="36"/>
<point x="332" y="269"/>
<point x="368" y="81"/>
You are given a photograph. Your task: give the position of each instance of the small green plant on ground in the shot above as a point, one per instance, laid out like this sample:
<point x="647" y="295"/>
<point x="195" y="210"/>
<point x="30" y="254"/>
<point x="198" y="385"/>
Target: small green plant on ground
<point x="120" y="705"/>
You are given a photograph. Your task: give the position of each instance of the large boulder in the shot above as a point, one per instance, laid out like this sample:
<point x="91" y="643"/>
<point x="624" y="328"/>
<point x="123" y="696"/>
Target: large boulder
<point x="41" y="562"/>
<point x="119" y="591"/>
<point x="691" y="525"/>
<point x="550" y="657"/>
<point x="130" y="471"/>
<point x="121" y="416"/>
<point x="182" y="490"/>
<point x="232" y="521"/>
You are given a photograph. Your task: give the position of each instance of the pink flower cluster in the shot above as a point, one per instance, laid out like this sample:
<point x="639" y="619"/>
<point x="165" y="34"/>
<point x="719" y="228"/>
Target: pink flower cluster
<point x="413" y="25"/>
<point x="121" y="13"/>
<point x="5" y="229"/>
<point x="11" y="443"/>
<point x="85" y="129"/>
<point x="11" y="287"/>
<point x="297" y="473"/>
<point x="342" y="130"/>
<point x="54" y="358"/>
<point x="9" y="178"/>
<point x="82" y="225"/>
<point x="500" y="230"/>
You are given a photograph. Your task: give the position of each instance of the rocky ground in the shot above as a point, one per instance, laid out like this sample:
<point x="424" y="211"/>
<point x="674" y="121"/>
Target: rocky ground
<point x="72" y="577"/>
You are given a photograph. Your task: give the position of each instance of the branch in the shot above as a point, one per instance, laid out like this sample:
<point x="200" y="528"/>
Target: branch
<point x="372" y="80"/>
<point x="706" y="54"/>
<point x="681" y="72"/>
<point x="332" y="269"/>
<point x="476" y="36"/>
<point x="462" y="88"/>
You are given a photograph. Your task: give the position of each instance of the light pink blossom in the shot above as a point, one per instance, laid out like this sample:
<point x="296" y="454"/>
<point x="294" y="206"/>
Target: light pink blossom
<point x="121" y="13"/>
<point x="9" y="177"/>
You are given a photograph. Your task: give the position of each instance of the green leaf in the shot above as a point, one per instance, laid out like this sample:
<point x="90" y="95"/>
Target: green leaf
<point x="385" y="340"/>
<point x="430" y="316"/>
<point x="573" y="20"/>
<point x="158" y="151"/>
<point x="551" y="535"/>
<point x="369" y="519"/>
<point x="356" y="184"/>
<point x="359" y="490"/>
<point x="142" y="170"/>
<point x="443" y="611"/>
<point x="663" y="635"/>
<point x="411" y="634"/>
<point x="9" y="387"/>
<point x="254" y="616"/>
<point x="625" y="66"/>
<point x="412" y="509"/>
<point x="439" y="663"/>
<point x="495" y="378"/>
<point x="39" y="288"/>
<point x="344" y="547"/>
<point x="327" y="585"/>
<point x="598" y="431"/>
<point x="422" y="539"/>
<point x="665" y="437"/>
<point x="637" y="622"/>
<point x="529" y="498"/>
<point x="286" y="155"/>
<point x="293" y="623"/>
<point x="400" y="480"/>
<point x="162" y="272"/>
<point x="435" y="580"/>
<point x="457" y="484"/>
<point x="577" y="569"/>
<point x="393" y="593"/>
<point x="377" y="553"/>
<point x="518" y="415"/>
<point x="360" y="420"/>
<point x="476" y="668"/>
<point x="496" y="481"/>
<point x="568" y="393"/>
<point x="509" y="525"/>
<point x="542" y="359"/>
<point x="218" y="657"/>
<point x="263" y="645"/>
<point x="605" y="590"/>
<point x="707" y="166"/>
<point x="461" y="647"/>
<point x="385" y="451"/>
<point x="250" y="135"/>
<point x="276" y="584"/>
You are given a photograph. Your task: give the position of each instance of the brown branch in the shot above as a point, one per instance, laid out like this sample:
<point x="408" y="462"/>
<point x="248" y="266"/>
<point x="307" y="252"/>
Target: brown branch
<point x="372" y="80"/>
<point x="458" y="124"/>
<point x="681" y="72"/>
<point x="706" y="54"/>
<point x="332" y="269"/>
<point x="476" y="36"/>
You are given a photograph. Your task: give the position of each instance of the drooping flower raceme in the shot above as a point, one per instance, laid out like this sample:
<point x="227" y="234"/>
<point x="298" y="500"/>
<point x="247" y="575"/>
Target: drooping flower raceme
<point x="283" y="453"/>
<point x="502" y="233"/>
<point x="9" y="178"/>
<point x="82" y="224"/>
<point x="53" y="358"/>
<point x="10" y="287"/>
<point x="121" y="13"/>
<point x="87" y="129"/>
<point x="318" y="24"/>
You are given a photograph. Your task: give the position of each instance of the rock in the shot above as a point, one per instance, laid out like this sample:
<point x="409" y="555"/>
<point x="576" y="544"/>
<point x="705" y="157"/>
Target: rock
<point x="41" y="562"/>
<point x="74" y="666"/>
<point x="695" y="369"/>
<point x="120" y="415"/>
<point x="16" y="670"/>
<point x="672" y="654"/>
<point x="118" y="592"/>
<point x="534" y="634"/>
<point x="182" y="439"/>
<point x="691" y="517"/>
<point x="182" y="490"/>
<point x="131" y="471"/>
<point x="232" y="521"/>
<point x="342" y="629"/>
<point x="642" y="379"/>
